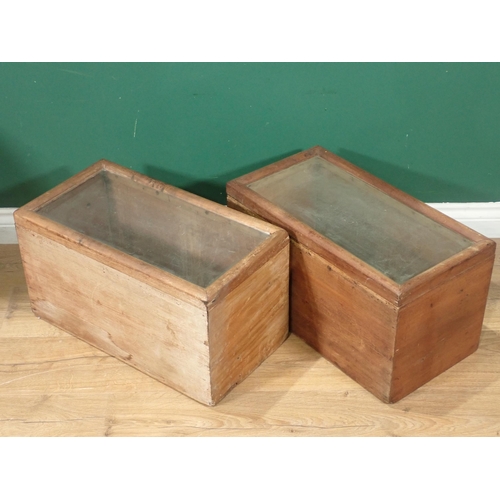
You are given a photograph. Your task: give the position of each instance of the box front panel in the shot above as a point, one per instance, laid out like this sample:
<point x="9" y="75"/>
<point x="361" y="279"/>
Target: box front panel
<point x="343" y="320"/>
<point x="248" y="324"/>
<point x="159" y="334"/>
<point x="440" y="328"/>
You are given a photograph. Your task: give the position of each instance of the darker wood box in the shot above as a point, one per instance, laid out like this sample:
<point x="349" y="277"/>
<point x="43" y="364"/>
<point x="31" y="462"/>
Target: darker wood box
<point x="387" y="288"/>
<point x="186" y="290"/>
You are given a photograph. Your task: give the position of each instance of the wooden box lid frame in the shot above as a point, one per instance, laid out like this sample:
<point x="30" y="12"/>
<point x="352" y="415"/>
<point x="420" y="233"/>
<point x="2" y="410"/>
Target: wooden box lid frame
<point x="28" y="217"/>
<point x="482" y="247"/>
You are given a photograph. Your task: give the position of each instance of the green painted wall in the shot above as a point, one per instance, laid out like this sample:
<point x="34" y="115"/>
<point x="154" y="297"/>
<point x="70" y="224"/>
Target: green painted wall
<point x="433" y="130"/>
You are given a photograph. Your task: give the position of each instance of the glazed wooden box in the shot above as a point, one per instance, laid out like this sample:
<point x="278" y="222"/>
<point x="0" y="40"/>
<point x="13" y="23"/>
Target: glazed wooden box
<point x="188" y="291"/>
<point x="388" y="289"/>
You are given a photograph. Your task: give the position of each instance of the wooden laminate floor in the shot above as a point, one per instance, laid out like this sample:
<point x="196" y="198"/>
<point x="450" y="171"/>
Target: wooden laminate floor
<point x="52" y="384"/>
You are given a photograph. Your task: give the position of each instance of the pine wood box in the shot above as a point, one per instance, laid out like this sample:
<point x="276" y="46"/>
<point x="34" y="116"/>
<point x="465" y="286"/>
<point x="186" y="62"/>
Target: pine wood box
<point x="387" y="288"/>
<point x="188" y="291"/>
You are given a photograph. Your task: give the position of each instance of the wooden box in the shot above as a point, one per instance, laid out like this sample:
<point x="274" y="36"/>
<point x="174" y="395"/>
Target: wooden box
<point x="388" y="289"/>
<point x="188" y="291"/>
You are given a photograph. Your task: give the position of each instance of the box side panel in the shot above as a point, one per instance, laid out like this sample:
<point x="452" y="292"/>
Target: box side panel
<point x="440" y="328"/>
<point x="249" y="324"/>
<point x="343" y="320"/>
<point x="138" y="324"/>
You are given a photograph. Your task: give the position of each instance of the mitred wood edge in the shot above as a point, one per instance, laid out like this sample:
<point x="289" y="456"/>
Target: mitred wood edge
<point x="27" y="218"/>
<point x="247" y="266"/>
<point x="240" y="194"/>
<point x="446" y="270"/>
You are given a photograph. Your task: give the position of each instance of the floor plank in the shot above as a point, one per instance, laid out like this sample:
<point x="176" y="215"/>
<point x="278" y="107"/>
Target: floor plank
<point x="52" y="384"/>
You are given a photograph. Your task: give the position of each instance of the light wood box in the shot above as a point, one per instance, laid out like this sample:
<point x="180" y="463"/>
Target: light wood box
<point x="188" y="291"/>
<point x="390" y="290"/>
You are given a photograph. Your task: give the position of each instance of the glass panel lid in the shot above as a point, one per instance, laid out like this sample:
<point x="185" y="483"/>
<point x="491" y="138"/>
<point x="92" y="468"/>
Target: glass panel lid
<point x="386" y="234"/>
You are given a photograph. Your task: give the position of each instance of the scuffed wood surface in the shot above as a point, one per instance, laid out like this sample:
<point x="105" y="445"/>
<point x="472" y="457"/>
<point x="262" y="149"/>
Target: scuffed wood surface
<point x="248" y="324"/>
<point x="343" y="320"/>
<point x="147" y="328"/>
<point x="52" y="384"/>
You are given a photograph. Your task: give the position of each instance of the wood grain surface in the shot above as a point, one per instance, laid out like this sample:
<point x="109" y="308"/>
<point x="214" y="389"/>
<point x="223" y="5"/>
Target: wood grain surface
<point x="94" y="253"/>
<point x="391" y="335"/>
<point x="52" y="384"/>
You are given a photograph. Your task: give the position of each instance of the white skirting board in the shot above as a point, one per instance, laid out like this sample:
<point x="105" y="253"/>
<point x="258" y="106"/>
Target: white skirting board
<point x="7" y="228"/>
<point x="482" y="217"/>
